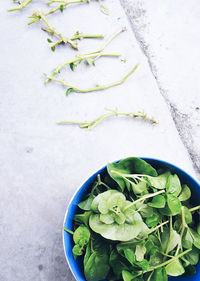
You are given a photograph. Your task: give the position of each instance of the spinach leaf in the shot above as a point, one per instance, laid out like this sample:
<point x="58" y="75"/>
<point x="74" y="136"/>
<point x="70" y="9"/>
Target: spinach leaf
<point x="196" y="237"/>
<point x="119" y="232"/>
<point x="175" y="268"/>
<point x="118" y="263"/>
<point x="185" y="194"/>
<point x="81" y="235"/>
<point x="140" y="252"/>
<point x="193" y="256"/>
<point x="158" y="275"/>
<point x="129" y="166"/>
<point x="139" y="188"/>
<point x="96" y="265"/>
<point x="173" y="204"/>
<point x="173" y="185"/>
<point x="86" y="204"/>
<point x="82" y="218"/>
<point x="81" y="238"/>
<point x="153" y="220"/>
<point x="160" y="181"/>
<point x="158" y="202"/>
<point x="127" y="276"/>
<point x="187" y="240"/>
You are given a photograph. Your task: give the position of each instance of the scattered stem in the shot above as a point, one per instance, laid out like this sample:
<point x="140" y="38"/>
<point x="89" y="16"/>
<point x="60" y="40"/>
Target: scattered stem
<point x="21" y="6"/>
<point x="90" y="58"/>
<point x="97" y="88"/>
<point x="94" y="123"/>
<point x="61" y="7"/>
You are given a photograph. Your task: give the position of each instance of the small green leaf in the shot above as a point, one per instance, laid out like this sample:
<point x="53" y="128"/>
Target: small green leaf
<point x="81" y="235"/>
<point x="127" y="276"/>
<point x="158" y="202"/>
<point x="49" y="40"/>
<point x="187" y="240"/>
<point x="185" y="194"/>
<point x="175" y="268"/>
<point x="86" y="204"/>
<point x="129" y="255"/>
<point x="69" y="90"/>
<point x="72" y="66"/>
<point x="193" y="256"/>
<point x="160" y="181"/>
<point x="196" y="237"/>
<point x="173" y="185"/>
<point x="174" y="204"/>
<point x="140" y="252"/>
<point x="53" y="48"/>
<point x="62" y="8"/>
<point x="153" y="220"/>
<point x="77" y="250"/>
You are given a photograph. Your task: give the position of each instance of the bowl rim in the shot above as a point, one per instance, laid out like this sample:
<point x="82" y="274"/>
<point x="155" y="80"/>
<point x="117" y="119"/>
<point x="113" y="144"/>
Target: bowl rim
<point x="99" y="171"/>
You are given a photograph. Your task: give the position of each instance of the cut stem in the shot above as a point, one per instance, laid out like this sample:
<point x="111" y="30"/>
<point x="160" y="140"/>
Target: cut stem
<point x="94" y="123"/>
<point x="51" y="30"/>
<point x="61" y="7"/>
<point x="97" y="88"/>
<point x="93" y="56"/>
<point x="20" y="6"/>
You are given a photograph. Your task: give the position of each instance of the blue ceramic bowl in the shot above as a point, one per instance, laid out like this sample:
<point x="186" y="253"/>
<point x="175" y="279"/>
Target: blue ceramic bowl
<point x="75" y="265"/>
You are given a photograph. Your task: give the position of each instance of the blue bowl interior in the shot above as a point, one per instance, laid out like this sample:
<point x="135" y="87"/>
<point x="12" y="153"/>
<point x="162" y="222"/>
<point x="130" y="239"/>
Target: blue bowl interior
<point x="76" y="265"/>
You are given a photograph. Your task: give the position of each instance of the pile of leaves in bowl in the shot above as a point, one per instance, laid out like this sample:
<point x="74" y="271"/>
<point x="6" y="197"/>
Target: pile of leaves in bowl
<point x="137" y="223"/>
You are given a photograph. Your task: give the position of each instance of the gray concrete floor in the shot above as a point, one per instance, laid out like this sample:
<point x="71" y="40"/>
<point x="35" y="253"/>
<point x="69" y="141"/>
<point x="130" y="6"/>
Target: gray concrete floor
<point x="41" y="163"/>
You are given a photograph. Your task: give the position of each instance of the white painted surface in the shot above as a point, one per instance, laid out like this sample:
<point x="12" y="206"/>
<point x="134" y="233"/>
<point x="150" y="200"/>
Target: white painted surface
<point x="41" y="164"/>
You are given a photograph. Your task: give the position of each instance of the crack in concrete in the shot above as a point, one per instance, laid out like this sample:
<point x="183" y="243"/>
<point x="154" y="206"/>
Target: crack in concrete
<point x="136" y="16"/>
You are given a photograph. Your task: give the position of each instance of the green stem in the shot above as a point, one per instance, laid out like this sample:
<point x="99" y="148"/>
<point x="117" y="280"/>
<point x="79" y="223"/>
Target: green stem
<point x="69" y="231"/>
<point x="78" y="58"/>
<point x="77" y="37"/>
<point x="98" y="88"/>
<point x="157" y="227"/>
<point x="51" y="30"/>
<point x="21" y="6"/>
<point x="194" y="209"/>
<point x="92" y="124"/>
<point x="64" y="5"/>
<point x="170" y="261"/>
<point x="143" y="197"/>
<point x="184" y="225"/>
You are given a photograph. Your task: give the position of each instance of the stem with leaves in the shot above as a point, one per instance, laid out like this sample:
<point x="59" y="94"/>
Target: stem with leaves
<point x="77" y="36"/>
<point x="21" y="6"/>
<point x="72" y="88"/>
<point x="61" y="7"/>
<point x="115" y="112"/>
<point x="90" y="58"/>
<point x="51" y="30"/>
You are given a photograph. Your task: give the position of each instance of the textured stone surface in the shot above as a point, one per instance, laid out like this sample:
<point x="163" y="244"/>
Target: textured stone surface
<point x="42" y="164"/>
<point x="169" y="35"/>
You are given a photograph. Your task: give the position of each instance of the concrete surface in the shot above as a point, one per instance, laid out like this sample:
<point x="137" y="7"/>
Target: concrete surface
<point x="41" y="163"/>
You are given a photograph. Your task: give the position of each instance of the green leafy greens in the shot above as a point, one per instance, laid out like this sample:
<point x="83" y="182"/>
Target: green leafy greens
<point x="137" y="224"/>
